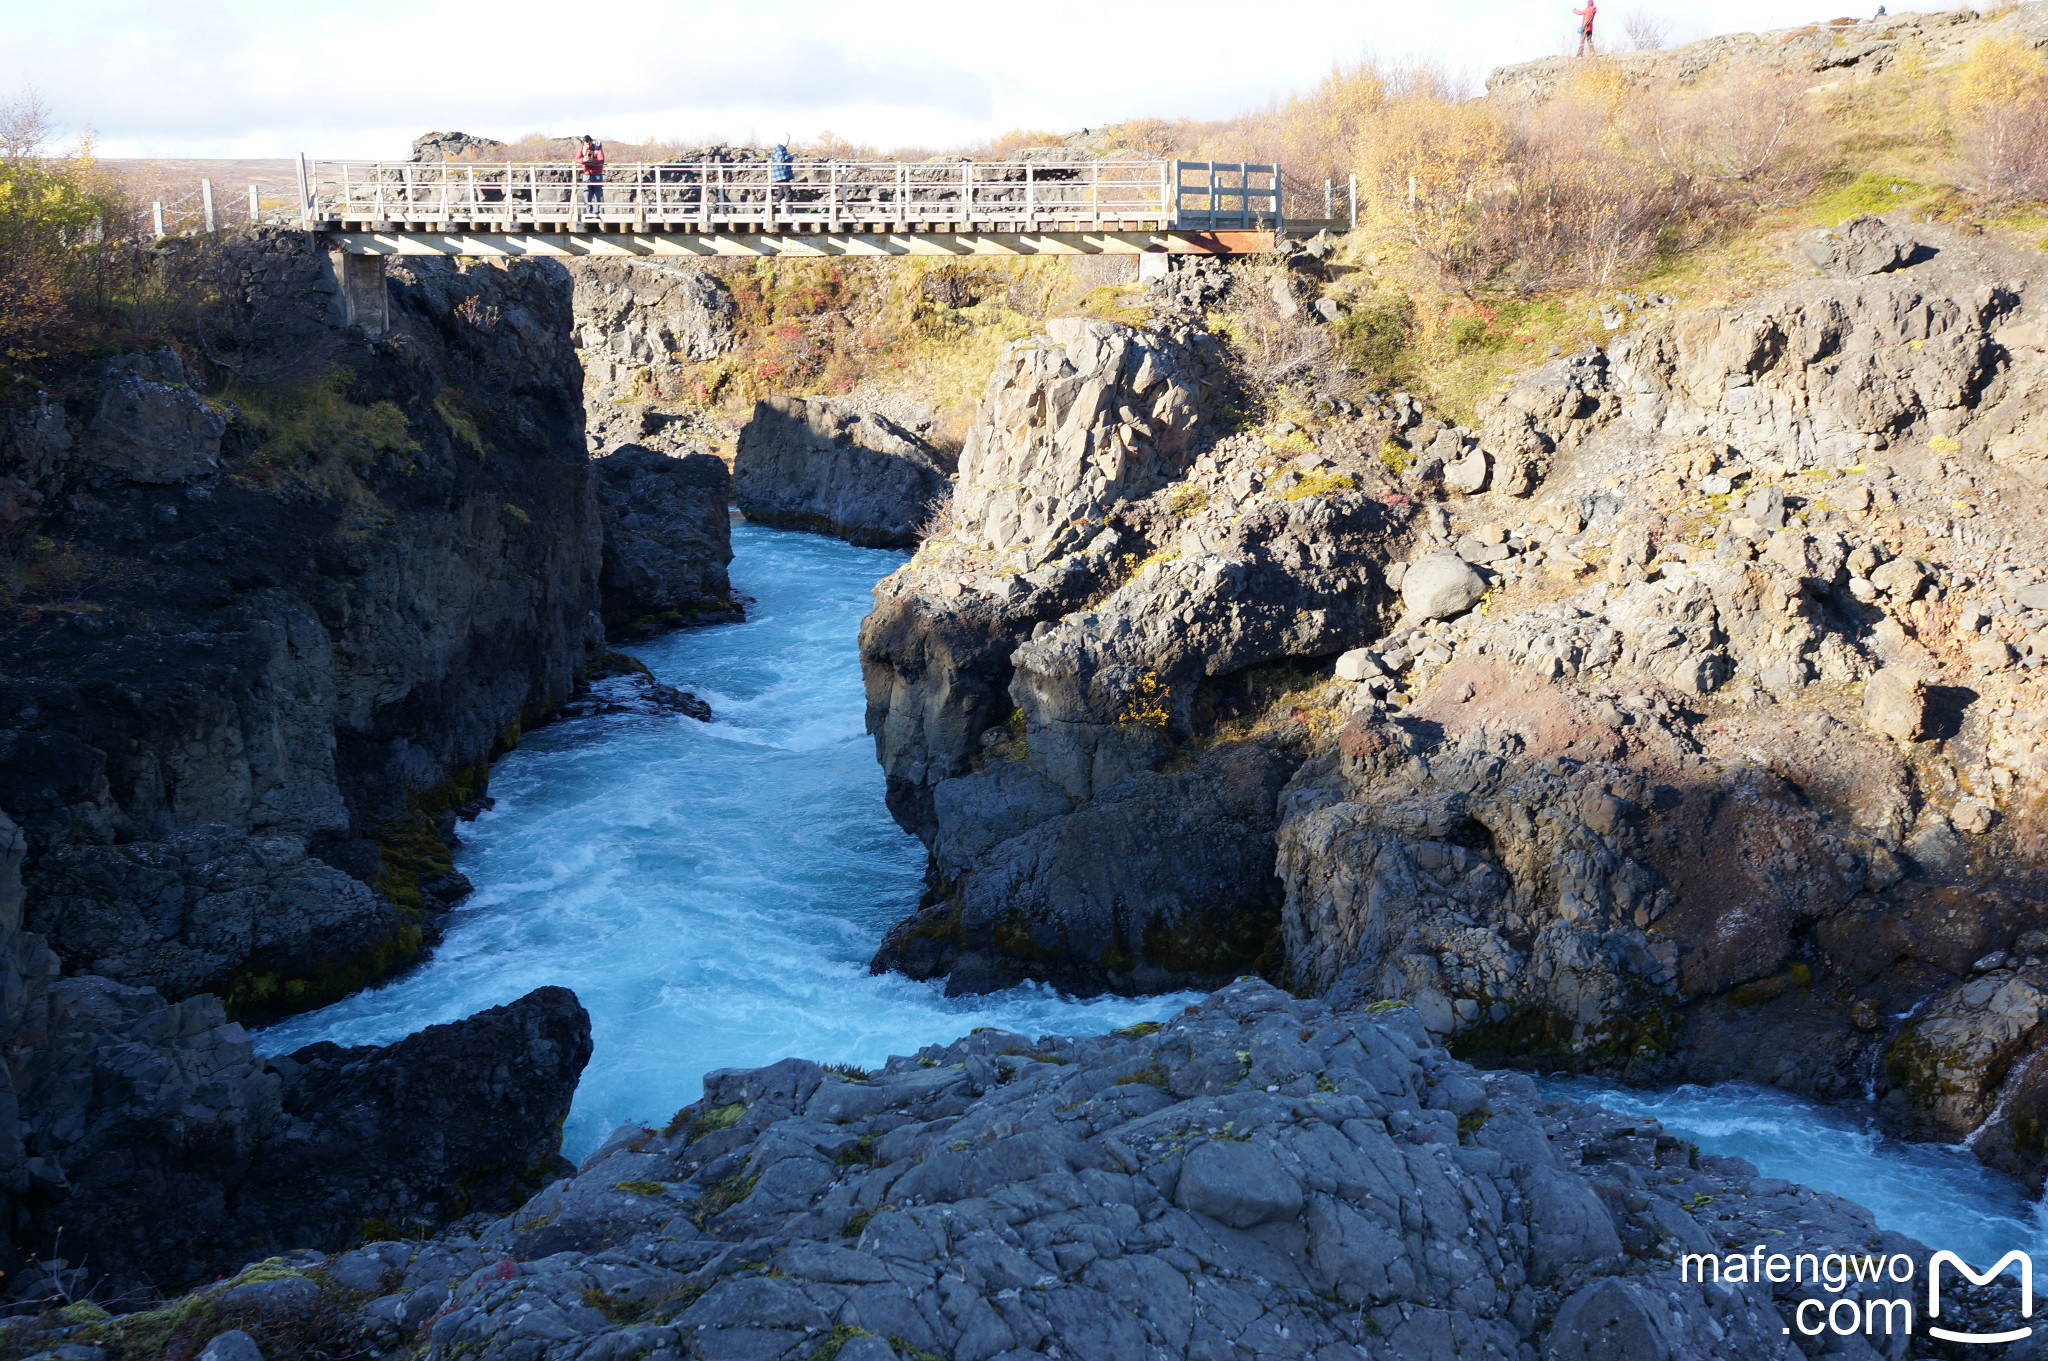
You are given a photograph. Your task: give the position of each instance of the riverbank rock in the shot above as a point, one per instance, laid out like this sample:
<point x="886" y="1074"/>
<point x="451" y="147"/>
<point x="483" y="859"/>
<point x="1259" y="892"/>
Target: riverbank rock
<point x="1163" y="881"/>
<point x="155" y="1146"/>
<point x="667" y="540"/>
<point x="1259" y="1175"/>
<point x="302" y="647"/>
<point x="818" y="463"/>
<point x="205" y="911"/>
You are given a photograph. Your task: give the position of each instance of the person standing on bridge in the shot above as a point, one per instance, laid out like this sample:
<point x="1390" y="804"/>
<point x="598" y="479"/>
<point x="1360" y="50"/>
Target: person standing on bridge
<point x="1585" y="17"/>
<point x="590" y="163"/>
<point x="780" y="172"/>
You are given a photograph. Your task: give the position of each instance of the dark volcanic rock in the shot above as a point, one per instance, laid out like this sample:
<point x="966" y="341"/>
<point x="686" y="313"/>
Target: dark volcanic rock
<point x="305" y="633"/>
<point x="827" y="465"/>
<point x="1165" y="881"/>
<point x="156" y="1148"/>
<point x="458" y="1118"/>
<point x="1262" y="1176"/>
<point x="667" y="540"/>
<point x="194" y="911"/>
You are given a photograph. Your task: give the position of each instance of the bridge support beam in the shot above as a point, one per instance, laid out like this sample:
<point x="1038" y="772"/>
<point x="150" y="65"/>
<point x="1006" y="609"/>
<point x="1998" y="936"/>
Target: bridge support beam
<point x="360" y="281"/>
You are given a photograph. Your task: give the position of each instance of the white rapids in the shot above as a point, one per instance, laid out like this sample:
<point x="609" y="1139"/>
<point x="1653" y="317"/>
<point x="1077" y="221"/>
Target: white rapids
<point x="711" y="892"/>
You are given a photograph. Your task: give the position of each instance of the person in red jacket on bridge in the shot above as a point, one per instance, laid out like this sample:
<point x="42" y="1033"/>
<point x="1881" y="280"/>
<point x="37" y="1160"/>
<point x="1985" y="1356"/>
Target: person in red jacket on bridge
<point x="1585" y="17"/>
<point x="590" y="162"/>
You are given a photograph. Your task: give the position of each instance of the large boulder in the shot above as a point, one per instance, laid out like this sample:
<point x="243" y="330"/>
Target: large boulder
<point x="825" y="464"/>
<point x="667" y="539"/>
<point x="1860" y="247"/>
<point x="1439" y="586"/>
<point x="430" y="147"/>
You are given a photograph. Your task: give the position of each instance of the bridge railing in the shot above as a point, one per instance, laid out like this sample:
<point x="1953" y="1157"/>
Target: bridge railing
<point x="1028" y="196"/>
<point x="1226" y="195"/>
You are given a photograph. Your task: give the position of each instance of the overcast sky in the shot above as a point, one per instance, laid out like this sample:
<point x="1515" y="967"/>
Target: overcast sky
<point x="264" y="78"/>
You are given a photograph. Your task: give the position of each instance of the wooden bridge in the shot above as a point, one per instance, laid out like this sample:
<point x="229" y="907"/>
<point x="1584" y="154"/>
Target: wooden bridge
<point x="544" y="208"/>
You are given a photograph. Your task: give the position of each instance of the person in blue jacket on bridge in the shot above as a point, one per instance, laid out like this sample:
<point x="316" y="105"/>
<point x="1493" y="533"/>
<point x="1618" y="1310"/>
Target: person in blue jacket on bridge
<point x="781" y="170"/>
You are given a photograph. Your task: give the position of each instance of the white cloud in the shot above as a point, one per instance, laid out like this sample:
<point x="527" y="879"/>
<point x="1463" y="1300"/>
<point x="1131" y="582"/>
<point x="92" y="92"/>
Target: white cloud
<point x="254" y="77"/>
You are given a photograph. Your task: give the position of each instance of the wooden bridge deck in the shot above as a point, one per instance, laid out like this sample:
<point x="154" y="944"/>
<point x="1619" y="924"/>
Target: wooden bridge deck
<point x="1100" y="206"/>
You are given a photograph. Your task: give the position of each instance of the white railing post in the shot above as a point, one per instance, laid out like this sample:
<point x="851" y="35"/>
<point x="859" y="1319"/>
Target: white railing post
<point x="305" y="195"/>
<point x="255" y="207"/>
<point x="206" y="201"/>
<point x="157" y="211"/>
<point x="1279" y="204"/>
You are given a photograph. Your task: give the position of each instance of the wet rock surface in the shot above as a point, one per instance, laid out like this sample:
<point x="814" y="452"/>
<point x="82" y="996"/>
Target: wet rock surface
<point x="1261" y="1175"/>
<point x="828" y="465"/>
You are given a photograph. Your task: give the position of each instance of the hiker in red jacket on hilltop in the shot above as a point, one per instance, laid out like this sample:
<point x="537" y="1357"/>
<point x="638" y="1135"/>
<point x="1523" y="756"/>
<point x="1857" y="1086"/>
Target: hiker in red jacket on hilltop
<point x="1586" y="27"/>
<point x="590" y="161"/>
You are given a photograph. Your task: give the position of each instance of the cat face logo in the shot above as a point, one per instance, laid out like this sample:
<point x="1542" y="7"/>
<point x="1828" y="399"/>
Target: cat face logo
<point x="2026" y="1265"/>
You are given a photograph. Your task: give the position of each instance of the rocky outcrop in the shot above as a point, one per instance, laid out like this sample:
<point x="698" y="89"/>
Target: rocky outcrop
<point x="1094" y="414"/>
<point x="667" y="540"/>
<point x="1164" y="881"/>
<point x="637" y="323"/>
<point x="154" y="1148"/>
<point x="827" y="465"/>
<point x="1114" y="577"/>
<point x="1843" y="49"/>
<point x="935" y="653"/>
<point x="1723" y="795"/>
<point x="1260" y="1175"/>
<point x="308" y="615"/>
<point x="260" y="649"/>
<point x="449" y="146"/>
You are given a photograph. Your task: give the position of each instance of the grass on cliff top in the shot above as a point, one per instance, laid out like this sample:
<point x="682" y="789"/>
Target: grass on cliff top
<point x="935" y="326"/>
<point x="1883" y="145"/>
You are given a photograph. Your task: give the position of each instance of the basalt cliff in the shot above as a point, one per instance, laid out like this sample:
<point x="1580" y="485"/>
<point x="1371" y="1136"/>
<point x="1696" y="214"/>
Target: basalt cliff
<point x="1681" y="718"/>
<point x="276" y="598"/>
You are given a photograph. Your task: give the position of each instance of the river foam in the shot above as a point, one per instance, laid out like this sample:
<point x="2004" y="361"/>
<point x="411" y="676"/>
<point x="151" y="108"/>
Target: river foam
<point x="712" y="892"/>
